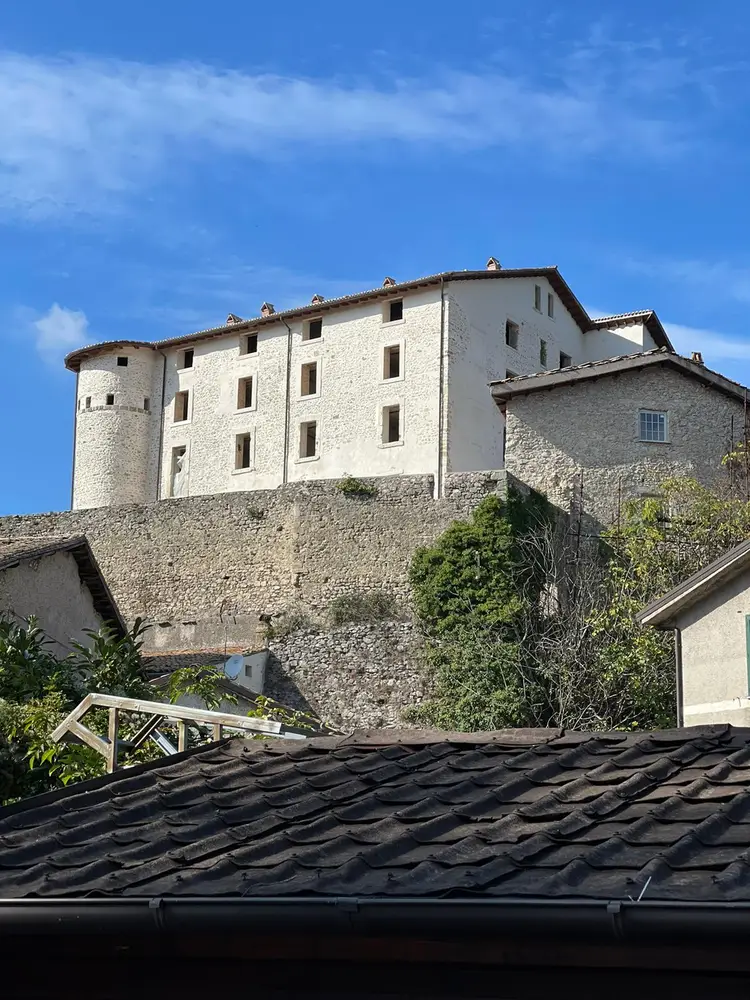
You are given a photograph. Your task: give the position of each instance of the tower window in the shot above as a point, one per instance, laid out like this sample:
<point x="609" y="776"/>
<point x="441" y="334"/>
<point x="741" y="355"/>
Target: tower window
<point x="392" y="362"/>
<point x="538" y="298"/>
<point x="309" y="385"/>
<point x="391" y="424"/>
<point x="308" y="439"/>
<point x="186" y="360"/>
<point x="243" y="451"/>
<point x="122" y="361"/>
<point x="88" y="402"/>
<point x="249" y="344"/>
<point x="147" y="404"/>
<point x="394" y="311"/>
<point x="511" y="334"/>
<point x="565" y="360"/>
<point x="245" y="393"/>
<point x="550" y="304"/>
<point x="313" y="329"/>
<point x="181" y="404"/>
<point x="110" y="399"/>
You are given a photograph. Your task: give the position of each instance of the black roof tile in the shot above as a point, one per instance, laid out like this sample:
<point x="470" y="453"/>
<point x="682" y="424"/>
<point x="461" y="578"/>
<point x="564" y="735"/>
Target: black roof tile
<point x="546" y="814"/>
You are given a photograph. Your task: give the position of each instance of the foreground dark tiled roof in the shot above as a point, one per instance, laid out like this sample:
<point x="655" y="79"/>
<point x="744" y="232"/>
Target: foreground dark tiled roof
<point x="512" y="814"/>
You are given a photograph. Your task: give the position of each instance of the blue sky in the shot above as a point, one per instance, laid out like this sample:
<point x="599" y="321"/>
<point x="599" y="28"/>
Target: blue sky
<point x="163" y="164"/>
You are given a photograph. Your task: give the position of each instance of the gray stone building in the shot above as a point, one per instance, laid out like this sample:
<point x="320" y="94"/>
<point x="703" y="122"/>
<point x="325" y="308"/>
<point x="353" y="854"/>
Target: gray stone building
<point x="710" y="615"/>
<point x="59" y="582"/>
<point x="593" y="435"/>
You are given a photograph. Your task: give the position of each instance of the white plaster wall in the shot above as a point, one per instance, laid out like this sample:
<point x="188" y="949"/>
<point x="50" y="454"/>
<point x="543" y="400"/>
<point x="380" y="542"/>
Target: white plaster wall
<point x="477" y="354"/>
<point x="347" y="407"/>
<point x="51" y="589"/>
<point x="714" y="656"/>
<point x="115" y="445"/>
<point x="613" y="343"/>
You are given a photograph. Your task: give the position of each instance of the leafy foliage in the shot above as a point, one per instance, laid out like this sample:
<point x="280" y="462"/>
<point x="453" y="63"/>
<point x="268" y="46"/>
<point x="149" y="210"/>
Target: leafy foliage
<point x="352" y="487"/>
<point x="362" y="607"/>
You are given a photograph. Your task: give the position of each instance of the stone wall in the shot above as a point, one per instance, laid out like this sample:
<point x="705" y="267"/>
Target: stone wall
<point x="205" y="568"/>
<point x="351" y="676"/>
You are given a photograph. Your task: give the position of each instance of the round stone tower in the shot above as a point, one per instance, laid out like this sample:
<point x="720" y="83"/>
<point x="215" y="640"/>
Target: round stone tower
<point x="117" y="424"/>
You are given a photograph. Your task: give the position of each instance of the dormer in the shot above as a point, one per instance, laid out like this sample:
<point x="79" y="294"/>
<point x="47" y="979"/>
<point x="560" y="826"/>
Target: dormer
<point x="389" y="282"/>
<point x="267" y="309"/>
<point x="493" y="264"/>
<point x="232" y="319"/>
<point x="317" y="299"/>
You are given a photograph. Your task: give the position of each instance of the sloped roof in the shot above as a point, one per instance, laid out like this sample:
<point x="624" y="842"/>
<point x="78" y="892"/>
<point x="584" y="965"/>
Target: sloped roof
<point x="664" y="609"/>
<point x="17" y="550"/>
<point x="516" y="814"/>
<point x="551" y="273"/>
<point x="522" y="385"/>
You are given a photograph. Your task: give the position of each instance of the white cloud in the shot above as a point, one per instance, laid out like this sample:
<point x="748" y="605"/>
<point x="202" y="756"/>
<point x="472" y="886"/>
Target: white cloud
<point x="710" y="343"/>
<point x="60" y="330"/>
<point x="724" y="279"/>
<point x="76" y="131"/>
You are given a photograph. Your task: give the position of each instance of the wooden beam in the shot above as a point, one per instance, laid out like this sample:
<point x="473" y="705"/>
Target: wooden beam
<point x="85" y="735"/>
<point x="145" y="731"/>
<point x="182" y="736"/>
<point x="78" y="712"/>
<point x="114" y="722"/>
<point x="218" y="731"/>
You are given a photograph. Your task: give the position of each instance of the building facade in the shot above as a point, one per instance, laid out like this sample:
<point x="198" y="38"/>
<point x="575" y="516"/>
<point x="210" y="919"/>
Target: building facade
<point x="391" y="381"/>
<point x="597" y="434"/>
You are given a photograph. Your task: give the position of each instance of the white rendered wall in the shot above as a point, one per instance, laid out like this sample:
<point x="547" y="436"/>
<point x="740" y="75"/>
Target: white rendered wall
<point x="115" y="445"/>
<point x="613" y="343"/>
<point x="347" y="406"/>
<point x="478" y="354"/>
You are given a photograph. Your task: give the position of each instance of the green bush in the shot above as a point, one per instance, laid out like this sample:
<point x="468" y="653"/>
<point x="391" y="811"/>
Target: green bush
<point x="352" y="487"/>
<point x="362" y="607"/>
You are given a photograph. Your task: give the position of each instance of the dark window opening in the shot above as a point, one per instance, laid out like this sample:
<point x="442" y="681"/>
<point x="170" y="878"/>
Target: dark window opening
<point x="181" y="401"/>
<point x="543" y="352"/>
<point x="313" y="330"/>
<point x="88" y="402"/>
<point x="249" y="344"/>
<point x="122" y="361"/>
<point x="511" y="334"/>
<point x="187" y="358"/>
<point x="146" y="404"/>
<point x="110" y="399"/>
<point x="538" y="298"/>
<point x="309" y="379"/>
<point x="392" y="362"/>
<point x="395" y="310"/>
<point x="550" y="304"/>
<point x="308" y="440"/>
<point x="245" y="393"/>
<point x="242" y="460"/>
<point x="391" y="424"/>
<point x="565" y="360"/>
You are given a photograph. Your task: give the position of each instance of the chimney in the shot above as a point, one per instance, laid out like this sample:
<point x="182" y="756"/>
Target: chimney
<point x="267" y="309"/>
<point x="697" y="357"/>
<point x="388" y="282"/>
<point x="317" y="299"/>
<point x="493" y="264"/>
<point x="231" y="319"/>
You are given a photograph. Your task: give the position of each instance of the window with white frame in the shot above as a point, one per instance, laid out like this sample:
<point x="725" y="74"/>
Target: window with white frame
<point x="308" y="439"/>
<point x="511" y="334"/>
<point x="181" y="406"/>
<point x="243" y="455"/>
<point x="245" y="393"/>
<point x="391" y="362"/>
<point x="392" y="430"/>
<point x="309" y="379"/>
<point x="652" y="425"/>
<point x="313" y="329"/>
<point x="249" y="344"/>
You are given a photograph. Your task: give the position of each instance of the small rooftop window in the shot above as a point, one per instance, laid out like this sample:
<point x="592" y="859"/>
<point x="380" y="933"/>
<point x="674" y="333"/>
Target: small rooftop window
<point x="394" y="311"/>
<point x="110" y="399"/>
<point x="313" y="329"/>
<point x="122" y="361"/>
<point x="186" y="360"/>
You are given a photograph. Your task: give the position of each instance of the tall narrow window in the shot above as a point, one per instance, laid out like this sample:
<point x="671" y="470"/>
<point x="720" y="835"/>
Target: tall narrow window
<point x="309" y="380"/>
<point x="249" y="344"/>
<point x="122" y="361"/>
<point x="308" y="439"/>
<point x="178" y="472"/>
<point x="652" y="425"/>
<point x="146" y="404"/>
<point x="391" y="424"/>
<point x="181" y="405"/>
<point x="245" y="393"/>
<point x="88" y="402"/>
<point x="186" y="360"/>
<point x="538" y="298"/>
<point x="542" y="352"/>
<point x="243" y="452"/>
<point x="550" y="304"/>
<point x="565" y="360"/>
<point x="395" y="311"/>
<point x="110" y="399"/>
<point x="511" y="334"/>
<point x="313" y="329"/>
<point x="392" y="362"/>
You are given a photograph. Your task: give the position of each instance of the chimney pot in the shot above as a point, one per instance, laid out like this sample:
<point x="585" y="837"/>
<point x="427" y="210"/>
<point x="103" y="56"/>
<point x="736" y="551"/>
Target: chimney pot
<point x="232" y="318"/>
<point x="388" y="282"/>
<point x="267" y="309"/>
<point x="493" y="264"/>
<point x="317" y="299"/>
<point x="697" y="357"/>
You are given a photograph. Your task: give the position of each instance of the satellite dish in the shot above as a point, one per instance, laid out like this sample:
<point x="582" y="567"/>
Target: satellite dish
<point x="234" y="665"/>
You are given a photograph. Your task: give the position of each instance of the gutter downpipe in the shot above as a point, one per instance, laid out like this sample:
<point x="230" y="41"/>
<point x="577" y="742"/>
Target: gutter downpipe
<point x="287" y="415"/>
<point x="678" y="676"/>
<point x="602" y="921"/>
<point x="441" y="399"/>
<point x="75" y="438"/>
<point x="161" y="425"/>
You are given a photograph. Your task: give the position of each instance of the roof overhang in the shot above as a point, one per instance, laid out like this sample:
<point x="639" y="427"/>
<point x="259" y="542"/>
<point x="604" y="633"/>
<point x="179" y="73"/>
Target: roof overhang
<point x="663" y="611"/>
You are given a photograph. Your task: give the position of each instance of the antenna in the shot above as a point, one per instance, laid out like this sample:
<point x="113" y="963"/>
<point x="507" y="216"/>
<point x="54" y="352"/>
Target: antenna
<point x="234" y="665"/>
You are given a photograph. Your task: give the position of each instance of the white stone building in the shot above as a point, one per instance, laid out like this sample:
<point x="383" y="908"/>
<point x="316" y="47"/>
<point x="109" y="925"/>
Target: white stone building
<point x="384" y="382"/>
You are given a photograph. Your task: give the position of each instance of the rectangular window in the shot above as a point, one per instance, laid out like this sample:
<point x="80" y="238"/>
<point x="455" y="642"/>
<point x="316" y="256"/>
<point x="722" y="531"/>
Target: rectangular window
<point x="147" y="404"/>
<point x="308" y="439"/>
<point x="542" y="352"/>
<point x="122" y="361"/>
<point x="391" y="424"/>
<point x="249" y="344"/>
<point x="653" y="425"/>
<point x="186" y="360"/>
<point x="395" y="311"/>
<point x="88" y="402"/>
<point x="181" y="403"/>
<point x="510" y="374"/>
<point x="392" y="362"/>
<point x="309" y="379"/>
<point x="243" y="451"/>
<point x="177" y="472"/>
<point x="550" y="304"/>
<point x="245" y="393"/>
<point x="511" y="334"/>
<point x="110" y="399"/>
<point x="313" y="329"/>
<point x="565" y="360"/>
<point x="538" y="298"/>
